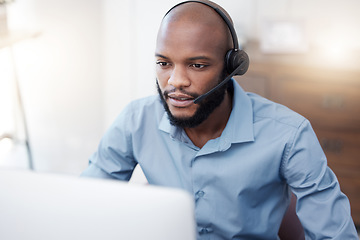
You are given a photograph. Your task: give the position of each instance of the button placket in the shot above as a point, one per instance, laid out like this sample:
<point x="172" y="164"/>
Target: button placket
<point x="201" y="191"/>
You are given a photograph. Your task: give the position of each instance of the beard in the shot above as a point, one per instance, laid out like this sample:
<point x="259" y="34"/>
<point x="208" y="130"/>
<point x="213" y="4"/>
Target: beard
<point x="206" y="106"/>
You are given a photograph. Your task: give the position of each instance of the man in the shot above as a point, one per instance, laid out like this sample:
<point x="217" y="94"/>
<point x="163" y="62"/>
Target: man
<point x="239" y="154"/>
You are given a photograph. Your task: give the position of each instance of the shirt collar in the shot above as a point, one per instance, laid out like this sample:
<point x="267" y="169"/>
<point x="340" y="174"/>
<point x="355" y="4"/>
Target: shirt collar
<point x="240" y="124"/>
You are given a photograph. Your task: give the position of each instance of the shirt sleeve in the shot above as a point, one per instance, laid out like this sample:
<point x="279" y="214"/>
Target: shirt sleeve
<point x="322" y="208"/>
<point x="114" y="157"/>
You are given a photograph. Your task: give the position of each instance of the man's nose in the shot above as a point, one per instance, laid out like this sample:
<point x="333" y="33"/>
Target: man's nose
<point x="179" y="78"/>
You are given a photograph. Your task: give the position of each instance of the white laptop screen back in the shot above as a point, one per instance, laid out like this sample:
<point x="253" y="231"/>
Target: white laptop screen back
<point x="44" y="206"/>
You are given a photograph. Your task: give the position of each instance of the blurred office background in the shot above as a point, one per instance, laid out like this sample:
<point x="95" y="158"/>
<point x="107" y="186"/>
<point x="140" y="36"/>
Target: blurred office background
<point x="78" y="63"/>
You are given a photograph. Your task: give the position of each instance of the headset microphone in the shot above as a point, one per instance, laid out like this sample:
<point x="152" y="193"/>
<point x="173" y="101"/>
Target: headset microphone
<point x="240" y="70"/>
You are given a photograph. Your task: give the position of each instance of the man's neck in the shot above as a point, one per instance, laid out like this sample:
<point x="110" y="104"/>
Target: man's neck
<point x="213" y="126"/>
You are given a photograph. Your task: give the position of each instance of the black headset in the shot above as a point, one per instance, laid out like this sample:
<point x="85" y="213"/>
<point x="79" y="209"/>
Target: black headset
<point x="234" y="57"/>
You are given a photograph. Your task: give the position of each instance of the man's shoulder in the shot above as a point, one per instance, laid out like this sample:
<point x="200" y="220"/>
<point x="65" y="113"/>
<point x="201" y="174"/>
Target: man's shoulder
<point x="264" y="108"/>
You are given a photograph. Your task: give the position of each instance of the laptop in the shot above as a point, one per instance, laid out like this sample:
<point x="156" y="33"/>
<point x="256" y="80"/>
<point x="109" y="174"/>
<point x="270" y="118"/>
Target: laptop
<point x="48" y="206"/>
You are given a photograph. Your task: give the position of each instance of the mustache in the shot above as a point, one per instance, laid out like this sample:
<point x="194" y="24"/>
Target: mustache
<point x="166" y="93"/>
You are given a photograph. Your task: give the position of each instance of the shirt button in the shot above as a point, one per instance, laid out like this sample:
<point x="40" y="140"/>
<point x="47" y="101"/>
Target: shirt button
<point x="205" y="230"/>
<point x="199" y="194"/>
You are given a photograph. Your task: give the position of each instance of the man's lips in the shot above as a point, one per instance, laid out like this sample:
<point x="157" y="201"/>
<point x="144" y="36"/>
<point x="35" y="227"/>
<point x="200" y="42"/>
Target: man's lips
<point x="180" y="100"/>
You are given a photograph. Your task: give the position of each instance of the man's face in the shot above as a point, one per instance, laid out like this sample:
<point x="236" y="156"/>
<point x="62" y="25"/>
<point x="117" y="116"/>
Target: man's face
<point x="190" y="62"/>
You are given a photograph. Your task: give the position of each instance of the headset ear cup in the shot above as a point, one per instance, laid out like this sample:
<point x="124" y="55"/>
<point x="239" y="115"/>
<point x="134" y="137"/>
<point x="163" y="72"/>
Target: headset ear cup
<point x="234" y="58"/>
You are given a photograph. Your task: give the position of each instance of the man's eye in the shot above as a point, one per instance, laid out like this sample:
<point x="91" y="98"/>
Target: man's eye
<point x="199" y="66"/>
<point x="162" y="64"/>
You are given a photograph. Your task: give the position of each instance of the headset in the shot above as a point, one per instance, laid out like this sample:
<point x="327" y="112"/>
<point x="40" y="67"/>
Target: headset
<point x="236" y="60"/>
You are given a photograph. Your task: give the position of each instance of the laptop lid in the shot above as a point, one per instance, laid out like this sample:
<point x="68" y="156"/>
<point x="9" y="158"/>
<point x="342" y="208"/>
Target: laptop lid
<point x="48" y="206"/>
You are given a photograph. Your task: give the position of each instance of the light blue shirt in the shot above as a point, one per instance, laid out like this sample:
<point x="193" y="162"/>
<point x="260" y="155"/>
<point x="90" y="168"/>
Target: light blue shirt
<point x="241" y="181"/>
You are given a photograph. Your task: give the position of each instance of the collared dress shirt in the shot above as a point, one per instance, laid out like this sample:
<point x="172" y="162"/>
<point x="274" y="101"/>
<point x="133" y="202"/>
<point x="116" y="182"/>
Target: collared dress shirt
<point x="242" y="180"/>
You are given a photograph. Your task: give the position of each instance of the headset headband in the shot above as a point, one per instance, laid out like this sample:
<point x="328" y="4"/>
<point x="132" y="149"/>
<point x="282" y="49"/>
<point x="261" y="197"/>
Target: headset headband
<point x="222" y="15"/>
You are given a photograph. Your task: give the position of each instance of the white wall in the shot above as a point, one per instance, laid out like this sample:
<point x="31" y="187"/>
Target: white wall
<point x="94" y="56"/>
<point x="60" y="77"/>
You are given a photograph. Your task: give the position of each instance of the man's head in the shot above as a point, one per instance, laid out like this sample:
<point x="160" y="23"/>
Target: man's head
<point x="191" y="46"/>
